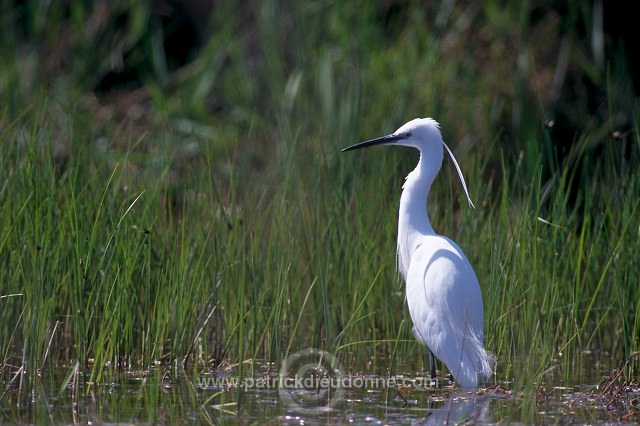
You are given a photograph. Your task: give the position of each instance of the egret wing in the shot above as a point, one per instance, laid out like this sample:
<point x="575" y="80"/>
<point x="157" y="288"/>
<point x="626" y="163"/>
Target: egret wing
<point x="445" y="303"/>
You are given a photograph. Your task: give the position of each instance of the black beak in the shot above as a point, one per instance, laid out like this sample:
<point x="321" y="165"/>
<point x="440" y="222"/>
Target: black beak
<point x="377" y="141"/>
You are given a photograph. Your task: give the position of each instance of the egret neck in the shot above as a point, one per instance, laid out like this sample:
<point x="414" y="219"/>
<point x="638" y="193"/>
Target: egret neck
<point x="413" y="220"/>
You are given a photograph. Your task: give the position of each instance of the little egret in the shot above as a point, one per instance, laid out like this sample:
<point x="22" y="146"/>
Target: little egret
<point x="443" y="293"/>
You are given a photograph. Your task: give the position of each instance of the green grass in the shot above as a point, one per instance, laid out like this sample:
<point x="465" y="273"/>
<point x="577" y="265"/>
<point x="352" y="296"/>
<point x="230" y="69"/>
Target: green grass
<point x="247" y="235"/>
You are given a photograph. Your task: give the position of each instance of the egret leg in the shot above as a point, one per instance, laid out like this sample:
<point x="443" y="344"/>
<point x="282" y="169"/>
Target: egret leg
<point x="432" y="365"/>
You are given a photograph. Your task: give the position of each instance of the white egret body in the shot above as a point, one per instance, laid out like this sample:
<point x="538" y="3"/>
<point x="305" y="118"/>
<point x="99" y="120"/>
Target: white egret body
<point x="443" y="292"/>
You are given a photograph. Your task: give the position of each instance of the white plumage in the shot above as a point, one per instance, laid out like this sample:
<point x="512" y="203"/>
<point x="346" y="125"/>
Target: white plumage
<point x="443" y="292"/>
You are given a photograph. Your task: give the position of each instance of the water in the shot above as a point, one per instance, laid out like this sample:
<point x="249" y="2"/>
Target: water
<point x="171" y="396"/>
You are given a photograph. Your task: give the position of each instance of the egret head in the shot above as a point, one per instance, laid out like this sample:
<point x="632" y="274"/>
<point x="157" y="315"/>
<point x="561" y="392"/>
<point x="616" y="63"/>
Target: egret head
<point x="423" y="134"/>
<point x="418" y="133"/>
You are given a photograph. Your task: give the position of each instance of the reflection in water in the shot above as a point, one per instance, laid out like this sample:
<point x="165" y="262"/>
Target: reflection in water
<point x="461" y="407"/>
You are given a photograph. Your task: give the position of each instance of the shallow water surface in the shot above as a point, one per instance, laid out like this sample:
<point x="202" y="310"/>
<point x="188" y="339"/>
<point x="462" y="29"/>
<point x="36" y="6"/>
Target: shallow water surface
<point x="175" y="396"/>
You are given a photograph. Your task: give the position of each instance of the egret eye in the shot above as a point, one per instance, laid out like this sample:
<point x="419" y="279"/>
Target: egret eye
<point x="407" y="135"/>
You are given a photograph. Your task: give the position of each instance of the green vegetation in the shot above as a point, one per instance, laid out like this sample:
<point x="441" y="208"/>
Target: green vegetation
<point x="212" y="218"/>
